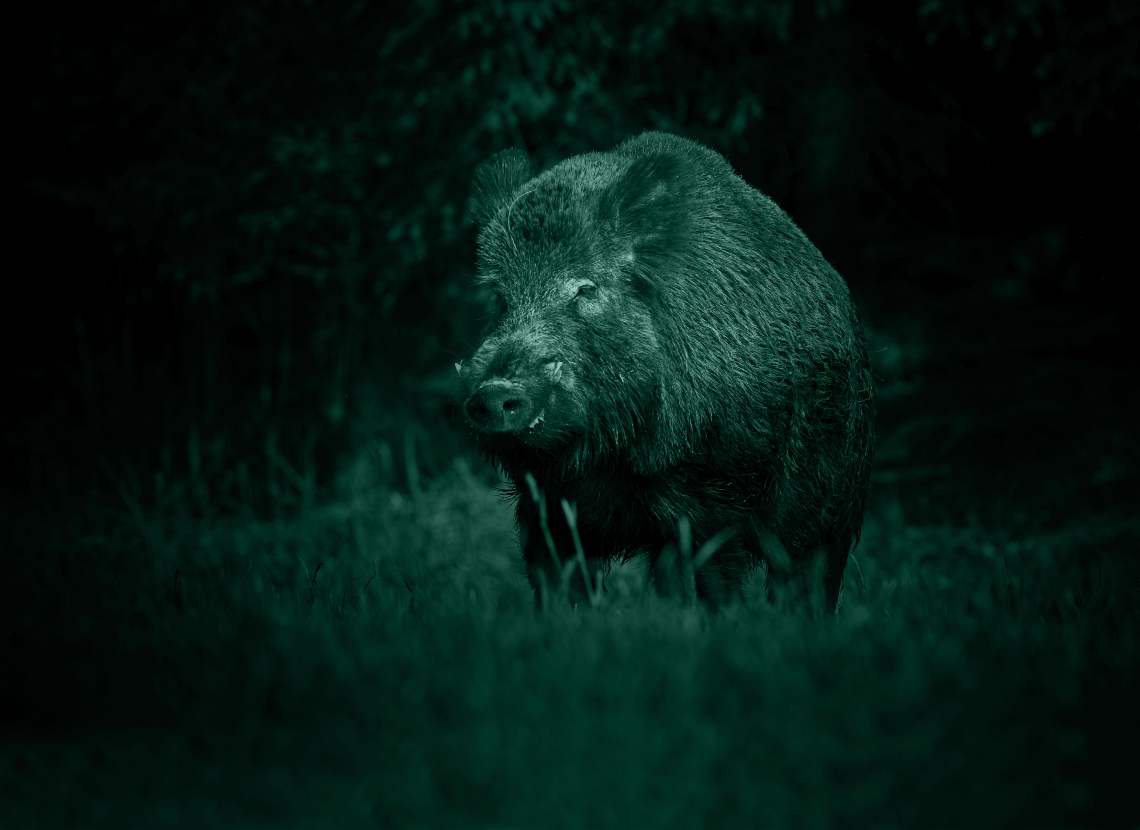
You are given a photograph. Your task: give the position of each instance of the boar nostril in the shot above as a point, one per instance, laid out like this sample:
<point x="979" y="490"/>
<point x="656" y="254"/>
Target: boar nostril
<point x="499" y="407"/>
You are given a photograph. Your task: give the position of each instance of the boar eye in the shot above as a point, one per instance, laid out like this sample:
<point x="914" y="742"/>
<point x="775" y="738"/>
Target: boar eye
<point x="587" y="290"/>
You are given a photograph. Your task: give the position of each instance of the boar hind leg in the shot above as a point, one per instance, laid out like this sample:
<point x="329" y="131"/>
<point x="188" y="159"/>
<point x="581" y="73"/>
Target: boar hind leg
<point x="837" y="553"/>
<point x="718" y="582"/>
<point x="560" y="573"/>
<point x="548" y="583"/>
<point x="812" y="580"/>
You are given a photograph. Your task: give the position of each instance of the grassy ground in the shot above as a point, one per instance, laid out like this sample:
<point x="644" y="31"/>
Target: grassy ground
<point x="376" y="662"/>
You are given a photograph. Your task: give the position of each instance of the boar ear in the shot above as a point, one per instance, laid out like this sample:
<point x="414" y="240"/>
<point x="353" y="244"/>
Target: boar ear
<point x="496" y="182"/>
<point x="647" y="206"/>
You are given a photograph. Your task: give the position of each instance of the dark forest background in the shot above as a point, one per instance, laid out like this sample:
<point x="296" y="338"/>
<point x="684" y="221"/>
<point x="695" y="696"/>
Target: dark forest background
<point x="242" y="257"/>
<point x="242" y="220"/>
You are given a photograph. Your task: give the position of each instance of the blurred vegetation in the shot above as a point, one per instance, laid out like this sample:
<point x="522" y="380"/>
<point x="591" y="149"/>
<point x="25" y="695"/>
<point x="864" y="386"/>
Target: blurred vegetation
<point x="251" y="556"/>
<point x="376" y="661"/>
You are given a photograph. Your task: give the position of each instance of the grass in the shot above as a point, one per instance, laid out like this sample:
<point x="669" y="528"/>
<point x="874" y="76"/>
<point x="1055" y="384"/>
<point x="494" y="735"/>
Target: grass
<point x="376" y="662"/>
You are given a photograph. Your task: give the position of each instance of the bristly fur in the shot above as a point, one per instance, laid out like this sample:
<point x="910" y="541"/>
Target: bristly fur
<point x="682" y="350"/>
<point x="496" y="180"/>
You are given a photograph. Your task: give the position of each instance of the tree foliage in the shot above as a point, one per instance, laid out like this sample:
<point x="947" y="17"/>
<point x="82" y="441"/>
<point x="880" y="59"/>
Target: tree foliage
<point x="1086" y="56"/>
<point x="334" y="141"/>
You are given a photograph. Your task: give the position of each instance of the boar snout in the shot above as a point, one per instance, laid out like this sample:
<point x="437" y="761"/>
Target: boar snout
<point x="501" y="406"/>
